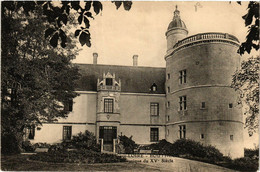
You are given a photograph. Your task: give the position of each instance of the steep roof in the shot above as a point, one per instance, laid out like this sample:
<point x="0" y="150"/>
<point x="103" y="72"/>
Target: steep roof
<point x="134" y="79"/>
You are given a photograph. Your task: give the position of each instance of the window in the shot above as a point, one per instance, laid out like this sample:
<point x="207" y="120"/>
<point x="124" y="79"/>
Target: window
<point x="30" y="132"/>
<point x="67" y="131"/>
<point x="231" y="137"/>
<point x="168" y="104"/>
<point x="154" y="109"/>
<point x="182" y="76"/>
<point x="168" y="89"/>
<point x="182" y="131"/>
<point x="108" y="105"/>
<point x="168" y="118"/>
<point x="203" y="105"/>
<point x="168" y="76"/>
<point x="168" y="132"/>
<point x="109" y="81"/>
<point x="182" y="103"/>
<point x="154" y="135"/>
<point x="154" y="87"/>
<point x="68" y="105"/>
<point x="202" y="136"/>
<point x="230" y="105"/>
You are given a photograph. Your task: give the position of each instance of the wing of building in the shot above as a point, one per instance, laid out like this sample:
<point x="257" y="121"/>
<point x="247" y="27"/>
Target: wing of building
<point x="190" y="98"/>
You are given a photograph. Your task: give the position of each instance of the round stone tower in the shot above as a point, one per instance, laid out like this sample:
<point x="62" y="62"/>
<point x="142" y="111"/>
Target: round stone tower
<point x="201" y="105"/>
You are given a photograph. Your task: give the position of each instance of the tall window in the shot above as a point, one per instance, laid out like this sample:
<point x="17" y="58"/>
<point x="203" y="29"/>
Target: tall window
<point x="154" y="109"/>
<point x="68" y="105"/>
<point x="67" y="131"/>
<point x="168" y="104"/>
<point x="108" y="105"/>
<point x="182" y="76"/>
<point x="154" y="134"/>
<point x="182" y="131"/>
<point x="109" y="81"/>
<point x="30" y="132"/>
<point x="168" y="76"/>
<point x="182" y="103"/>
<point x="168" y="89"/>
<point x="203" y="105"/>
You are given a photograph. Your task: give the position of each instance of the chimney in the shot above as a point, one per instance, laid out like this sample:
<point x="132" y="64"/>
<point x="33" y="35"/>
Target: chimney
<point x="135" y="60"/>
<point x="95" y="56"/>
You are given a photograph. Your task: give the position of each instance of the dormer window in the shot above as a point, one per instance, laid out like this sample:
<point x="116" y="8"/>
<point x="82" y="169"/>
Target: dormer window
<point x="154" y="87"/>
<point x="109" y="81"/>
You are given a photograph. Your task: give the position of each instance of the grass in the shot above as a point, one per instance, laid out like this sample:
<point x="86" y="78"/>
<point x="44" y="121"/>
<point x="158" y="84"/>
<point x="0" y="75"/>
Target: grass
<point x="21" y="163"/>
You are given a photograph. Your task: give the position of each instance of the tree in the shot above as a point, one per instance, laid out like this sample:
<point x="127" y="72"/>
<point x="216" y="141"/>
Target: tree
<point x="58" y="14"/>
<point x="246" y="81"/>
<point x="36" y="80"/>
<point x="252" y="22"/>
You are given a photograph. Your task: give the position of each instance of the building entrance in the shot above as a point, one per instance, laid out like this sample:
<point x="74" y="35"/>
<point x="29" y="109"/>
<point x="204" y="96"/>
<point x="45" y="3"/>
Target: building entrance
<point x="108" y="134"/>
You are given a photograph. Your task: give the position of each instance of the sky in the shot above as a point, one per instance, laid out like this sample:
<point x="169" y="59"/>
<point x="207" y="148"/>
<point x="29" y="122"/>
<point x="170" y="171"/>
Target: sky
<point x="117" y="35"/>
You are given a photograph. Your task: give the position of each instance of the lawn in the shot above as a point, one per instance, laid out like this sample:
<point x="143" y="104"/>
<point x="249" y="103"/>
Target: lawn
<point x="21" y="163"/>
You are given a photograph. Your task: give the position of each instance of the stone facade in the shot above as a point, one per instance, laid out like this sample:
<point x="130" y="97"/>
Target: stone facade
<point x="190" y="98"/>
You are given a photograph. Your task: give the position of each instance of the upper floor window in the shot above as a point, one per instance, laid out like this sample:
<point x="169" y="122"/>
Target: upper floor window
<point x="203" y="105"/>
<point x="182" y="131"/>
<point x="182" y="103"/>
<point x="231" y="137"/>
<point x="109" y="81"/>
<point x="202" y="136"/>
<point x="182" y="76"/>
<point x="154" y="134"/>
<point x="168" y="104"/>
<point x="168" y="89"/>
<point x="68" y="105"/>
<point x="67" y="132"/>
<point x="168" y="76"/>
<point x="108" y="105"/>
<point x="230" y="105"/>
<point x="154" y="109"/>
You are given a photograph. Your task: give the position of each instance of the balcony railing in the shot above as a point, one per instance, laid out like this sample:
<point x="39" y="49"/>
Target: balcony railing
<point x="108" y="87"/>
<point x="205" y="36"/>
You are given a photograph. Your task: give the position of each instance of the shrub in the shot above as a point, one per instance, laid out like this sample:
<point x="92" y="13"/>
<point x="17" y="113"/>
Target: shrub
<point x="27" y="146"/>
<point x="42" y="145"/>
<point x="196" y="149"/>
<point x="243" y="164"/>
<point x="85" y="140"/>
<point x="128" y="144"/>
<point x="164" y="147"/>
<point x="252" y="153"/>
<point x="77" y="156"/>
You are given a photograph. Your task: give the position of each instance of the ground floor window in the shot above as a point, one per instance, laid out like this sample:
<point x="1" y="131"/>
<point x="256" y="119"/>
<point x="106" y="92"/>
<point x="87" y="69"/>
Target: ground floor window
<point x="67" y="132"/>
<point x="154" y="134"/>
<point x="30" y="132"/>
<point x="182" y="131"/>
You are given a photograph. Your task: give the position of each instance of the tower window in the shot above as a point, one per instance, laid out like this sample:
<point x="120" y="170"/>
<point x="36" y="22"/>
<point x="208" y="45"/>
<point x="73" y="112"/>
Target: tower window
<point x="182" y="76"/>
<point x="182" y="103"/>
<point x="168" y="104"/>
<point x="230" y="105"/>
<point x="203" y="105"/>
<point x="231" y="137"/>
<point x="67" y="131"/>
<point x="168" y="89"/>
<point x="154" y="134"/>
<point x="168" y="132"/>
<point x="182" y="131"/>
<point x="109" y="81"/>
<point x="154" y="109"/>
<point x="168" y="76"/>
<point x="202" y="136"/>
<point x="108" y="105"/>
<point x="168" y="118"/>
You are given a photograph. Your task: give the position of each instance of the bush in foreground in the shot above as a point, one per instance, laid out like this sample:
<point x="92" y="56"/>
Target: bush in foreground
<point x="128" y="144"/>
<point x="76" y="156"/>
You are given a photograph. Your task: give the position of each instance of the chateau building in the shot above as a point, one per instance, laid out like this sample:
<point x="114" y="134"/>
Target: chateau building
<point x="190" y="98"/>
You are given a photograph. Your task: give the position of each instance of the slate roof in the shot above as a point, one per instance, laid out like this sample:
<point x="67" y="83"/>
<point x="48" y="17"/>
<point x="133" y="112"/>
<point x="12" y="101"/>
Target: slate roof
<point x="134" y="79"/>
